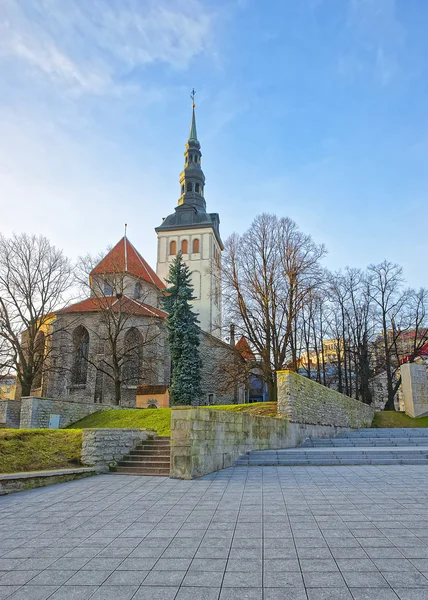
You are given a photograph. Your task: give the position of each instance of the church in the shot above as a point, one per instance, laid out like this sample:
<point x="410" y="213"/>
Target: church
<point x="111" y="347"/>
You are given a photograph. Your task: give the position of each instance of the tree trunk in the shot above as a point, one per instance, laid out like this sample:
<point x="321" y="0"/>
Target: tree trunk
<point x="117" y="391"/>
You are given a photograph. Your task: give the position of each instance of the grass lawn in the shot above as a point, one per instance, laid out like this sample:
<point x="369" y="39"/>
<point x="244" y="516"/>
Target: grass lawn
<point x="160" y="418"/>
<point x="390" y="418"/>
<point x="143" y="418"/>
<point x="39" y="449"/>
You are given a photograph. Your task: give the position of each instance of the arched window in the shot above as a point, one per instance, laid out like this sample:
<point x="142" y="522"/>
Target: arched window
<point x="184" y="247"/>
<point x="173" y="248"/>
<point x="182" y="189"/>
<point x="137" y="290"/>
<point x="189" y="186"/>
<point x="197" y="188"/>
<point x="81" y="353"/>
<point x="195" y="246"/>
<point x="108" y="289"/>
<point x="133" y="345"/>
<point x="39" y="346"/>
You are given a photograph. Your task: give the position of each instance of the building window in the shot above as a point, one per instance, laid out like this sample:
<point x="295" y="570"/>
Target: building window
<point x="108" y="289"/>
<point x="197" y="188"/>
<point x="184" y="247"/>
<point x="137" y="290"/>
<point x="195" y="246"/>
<point x="182" y="189"/>
<point x="189" y="186"/>
<point x="173" y="248"/>
<point x="210" y="399"/>
<point x="81" y="353"/>
<point x="132" y="366"/>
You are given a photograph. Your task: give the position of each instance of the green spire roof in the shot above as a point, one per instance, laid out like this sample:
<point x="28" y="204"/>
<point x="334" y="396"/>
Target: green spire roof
<point x="193" y="135"/>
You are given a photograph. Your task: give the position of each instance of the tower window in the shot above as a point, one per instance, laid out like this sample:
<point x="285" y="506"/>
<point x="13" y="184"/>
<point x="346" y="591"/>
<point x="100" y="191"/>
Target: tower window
<point x="189" y="186"/>
<point x="190" y="158"/>
<point x="184" y="247"/>
<point x="195" y="246"/>
<point x="173" y="248"/>
<point x="108" y="289"/>
<point x="182" y="189"/>
<point x="197" y="188"/>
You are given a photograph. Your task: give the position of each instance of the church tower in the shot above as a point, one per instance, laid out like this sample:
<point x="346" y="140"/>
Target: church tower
<point x="194" y="232"/>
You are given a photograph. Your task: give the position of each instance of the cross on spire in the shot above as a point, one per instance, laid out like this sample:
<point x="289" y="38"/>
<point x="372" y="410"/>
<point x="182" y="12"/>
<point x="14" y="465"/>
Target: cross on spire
<point x="192" y="96"/>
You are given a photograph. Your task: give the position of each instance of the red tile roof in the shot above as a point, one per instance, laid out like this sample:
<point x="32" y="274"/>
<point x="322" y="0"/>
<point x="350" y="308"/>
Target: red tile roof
<point x="244" y="348"/>
<point x="127" y="305"/>
<point x="124" y="258"/>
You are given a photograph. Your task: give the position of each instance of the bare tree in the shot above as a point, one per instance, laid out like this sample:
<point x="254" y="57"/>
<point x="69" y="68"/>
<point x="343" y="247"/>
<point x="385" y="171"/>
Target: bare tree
<point x="35" y="279"/>
<point x="386" y="285"/>
<point x="128" y="330"/>
<point x="268" y="274"/>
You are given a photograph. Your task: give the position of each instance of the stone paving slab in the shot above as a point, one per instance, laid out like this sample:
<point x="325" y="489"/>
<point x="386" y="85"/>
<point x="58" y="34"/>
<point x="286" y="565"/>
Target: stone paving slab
<point x="258" y="533"/>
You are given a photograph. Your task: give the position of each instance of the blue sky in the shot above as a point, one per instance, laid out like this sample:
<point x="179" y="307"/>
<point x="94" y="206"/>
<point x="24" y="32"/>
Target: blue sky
<point x="316" y="110"/>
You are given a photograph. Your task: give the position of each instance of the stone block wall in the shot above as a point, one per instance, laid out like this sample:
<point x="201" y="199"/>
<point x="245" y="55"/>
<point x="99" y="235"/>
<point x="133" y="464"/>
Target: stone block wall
<point x="204" y="440"/>
<point x="100" y="447"/>
<point x="414" y="379"/>
<point x="221" y="365"/>
<point x="35" y="411"/>
<point x="10" y="413"/>
<point x="301" y="400"/>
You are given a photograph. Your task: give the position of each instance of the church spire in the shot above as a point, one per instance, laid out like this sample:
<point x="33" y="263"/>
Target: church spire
<point x="193" y="136"/>
<point x="192" y="179"/>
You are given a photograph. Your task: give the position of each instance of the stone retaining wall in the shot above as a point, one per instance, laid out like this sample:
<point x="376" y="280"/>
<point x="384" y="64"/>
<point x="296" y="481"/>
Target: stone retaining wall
<point x="100" y="447"/>
<point x="18" y="482"/>
<point x="35" y="412"/>
<point x="301" y="400"/>
<point x="204" y="440"/>
<point x="10" y="413"/>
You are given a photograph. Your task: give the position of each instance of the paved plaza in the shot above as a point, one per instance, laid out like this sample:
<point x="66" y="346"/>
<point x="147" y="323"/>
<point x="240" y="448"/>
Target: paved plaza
<point x="258" y="533"/>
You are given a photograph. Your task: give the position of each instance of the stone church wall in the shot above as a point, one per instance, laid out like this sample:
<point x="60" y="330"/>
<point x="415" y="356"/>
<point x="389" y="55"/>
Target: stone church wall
<point x="220" y="362"/>
<point x="62" y="355"/>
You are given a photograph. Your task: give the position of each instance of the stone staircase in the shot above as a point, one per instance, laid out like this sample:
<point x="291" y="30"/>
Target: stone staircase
<point x="359" y="447"/>
<point x="151" y="457"/>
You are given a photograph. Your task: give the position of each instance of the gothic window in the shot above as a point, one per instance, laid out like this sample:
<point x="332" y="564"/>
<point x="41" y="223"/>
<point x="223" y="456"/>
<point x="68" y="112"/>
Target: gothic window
<point x="132" y="365"/>
<point x="137" y="290"/>
<point x="184" y="247"/>
<point x="81" y="352"/>
<point x="195" y="246"/>
<point x="197" y="188"/>
<point x="39" y="344"/>
<point x="108" y="289"/>
<point x="173" y="248"/>
<point x="189" y="186"/>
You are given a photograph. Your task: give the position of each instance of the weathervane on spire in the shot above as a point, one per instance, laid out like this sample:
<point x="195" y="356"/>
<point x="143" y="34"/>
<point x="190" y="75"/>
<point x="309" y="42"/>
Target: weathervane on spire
<point x="192" y="95"/>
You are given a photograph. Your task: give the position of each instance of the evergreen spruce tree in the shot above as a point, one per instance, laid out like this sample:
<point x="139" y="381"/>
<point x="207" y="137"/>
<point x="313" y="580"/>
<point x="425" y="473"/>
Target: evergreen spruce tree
<point x="183" y="335"/>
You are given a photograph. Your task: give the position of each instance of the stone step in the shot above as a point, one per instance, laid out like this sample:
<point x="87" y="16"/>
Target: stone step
<point x="144" y="463"/>
<point x="154" y="452"/>
<point x="152" y="471"/>
<point x="151" y="457"/>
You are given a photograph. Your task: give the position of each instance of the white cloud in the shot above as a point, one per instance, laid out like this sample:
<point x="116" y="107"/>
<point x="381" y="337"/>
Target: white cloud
<point x="90" y="46"/>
